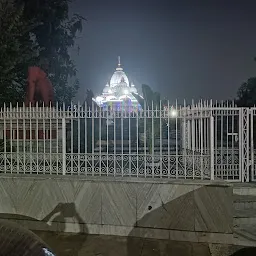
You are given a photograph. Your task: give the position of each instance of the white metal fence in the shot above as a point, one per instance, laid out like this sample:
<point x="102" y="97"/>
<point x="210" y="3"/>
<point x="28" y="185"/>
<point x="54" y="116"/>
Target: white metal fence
<point x="200" y="141"/>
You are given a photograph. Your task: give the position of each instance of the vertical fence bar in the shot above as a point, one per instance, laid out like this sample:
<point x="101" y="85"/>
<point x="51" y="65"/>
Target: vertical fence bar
<point x="161" y="144"/>
<point x="185" y="135"/>
<point x="168" y="139"/>
<point x="85" y="137"/>
<point x="44" y="137"/>
<point x="64" y="145"/>
<point x="221" y="142"/>
<point x="107" y="142"/>
<point x="152" y="141"/>
<point x="206" y="135"/>
<point x="212" y="146"/>
<point x="201" y="135"/>
<point x="129" y="140"/>
<point x="5" y="127"/>
<point x="193" y="141"/>
<point x="24" y="138"/>
<point x="233" y="165"/>
<point x="78" y="138"/>
<point x="227" y="146"/>
<point x="212" y="132"/>
<point x="51" y="137"/>
<point x="114" y="116"/>
<point x="216" y="146"/>
<point x="17" y="139"/>
<point x="137" y="146"/>
<point x="251" y="113"/>
<point x="37" y="139"/>
<point x="100" y="150"/>
<point x="146" y="113"/>
<point x="11" y="137"/>
<point x="176" y="140"/>
<point x="72" y="133"/>
<point x="59" y="112"/>
<point x="122" y="142"/>
<point x="92" y="140"/>
<point x="30" y="139"/>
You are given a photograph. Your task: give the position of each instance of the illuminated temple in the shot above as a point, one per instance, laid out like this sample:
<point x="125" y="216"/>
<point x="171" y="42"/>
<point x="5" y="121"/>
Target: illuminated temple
<point x="118" y="93"/>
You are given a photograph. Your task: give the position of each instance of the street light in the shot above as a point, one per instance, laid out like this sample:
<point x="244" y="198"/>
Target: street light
<point x="173" y="113"/>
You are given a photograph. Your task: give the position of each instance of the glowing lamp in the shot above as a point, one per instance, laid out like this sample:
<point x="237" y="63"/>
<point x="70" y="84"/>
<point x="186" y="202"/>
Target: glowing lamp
<point x="173" y="113"/>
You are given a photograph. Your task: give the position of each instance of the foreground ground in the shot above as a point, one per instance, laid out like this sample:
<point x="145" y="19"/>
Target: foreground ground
<point x="92" y="245"/>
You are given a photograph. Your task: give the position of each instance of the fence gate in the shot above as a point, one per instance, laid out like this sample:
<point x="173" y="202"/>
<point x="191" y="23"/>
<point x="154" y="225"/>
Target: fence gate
<point x="198" y="143"/>
<point x="231" y="143"/>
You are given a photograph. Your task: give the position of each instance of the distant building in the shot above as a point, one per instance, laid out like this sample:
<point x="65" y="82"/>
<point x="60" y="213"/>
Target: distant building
<point x="117" y="94"/>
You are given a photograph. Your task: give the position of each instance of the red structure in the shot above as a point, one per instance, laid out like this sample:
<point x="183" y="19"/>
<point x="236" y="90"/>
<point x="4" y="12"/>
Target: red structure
<point x="39" y="88"/>
<point x="19" y="135"/>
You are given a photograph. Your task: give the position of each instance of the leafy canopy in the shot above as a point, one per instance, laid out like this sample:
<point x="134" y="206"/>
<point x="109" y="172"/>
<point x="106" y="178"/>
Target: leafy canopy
<point x="32" y="31"/>
<point x="16" y="52"/>
<point x="56" y="36"/>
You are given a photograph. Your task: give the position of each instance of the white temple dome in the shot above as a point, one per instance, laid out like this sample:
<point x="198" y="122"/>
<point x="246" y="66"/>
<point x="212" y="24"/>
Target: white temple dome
<point x="118" y="90"/>
<point x="118" y="77"/>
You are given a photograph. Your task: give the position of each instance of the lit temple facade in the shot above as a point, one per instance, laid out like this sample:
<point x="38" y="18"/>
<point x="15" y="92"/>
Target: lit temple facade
<point x="118" y="93"/>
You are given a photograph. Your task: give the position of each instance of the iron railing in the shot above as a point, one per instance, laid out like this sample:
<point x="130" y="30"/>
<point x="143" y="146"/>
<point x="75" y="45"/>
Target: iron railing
<point x="199" y="141"/>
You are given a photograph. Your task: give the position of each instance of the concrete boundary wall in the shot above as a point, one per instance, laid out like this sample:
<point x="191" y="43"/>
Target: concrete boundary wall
<point x="178" y="210"/>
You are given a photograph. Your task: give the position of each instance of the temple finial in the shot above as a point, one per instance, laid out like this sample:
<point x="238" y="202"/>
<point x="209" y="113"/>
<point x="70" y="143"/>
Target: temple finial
<point x="119" y="61"/>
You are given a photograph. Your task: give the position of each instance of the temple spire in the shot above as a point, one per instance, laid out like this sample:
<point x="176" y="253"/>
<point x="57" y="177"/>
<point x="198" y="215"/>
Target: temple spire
<point x="119" y="68"/>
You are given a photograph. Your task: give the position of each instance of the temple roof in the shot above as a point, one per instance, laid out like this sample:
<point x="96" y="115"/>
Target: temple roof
<point x="119" y="76"/>
<point x="119" y="89"/>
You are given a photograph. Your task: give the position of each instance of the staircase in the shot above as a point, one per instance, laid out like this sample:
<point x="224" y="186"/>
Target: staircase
<point x="244" y="214"/>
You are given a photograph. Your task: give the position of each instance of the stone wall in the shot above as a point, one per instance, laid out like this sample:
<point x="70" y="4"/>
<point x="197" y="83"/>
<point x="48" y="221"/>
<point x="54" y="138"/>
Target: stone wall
<point x="188" y="211"/>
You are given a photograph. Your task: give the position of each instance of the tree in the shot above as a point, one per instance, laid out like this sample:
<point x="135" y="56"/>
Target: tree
<point x="92" y="126"/>
<point x="151" y="101"/>
<point x="16" y="52"/>
<point x="55" y="35"/>
<point x="246" y="94"/>
<point x="149" y="97"/>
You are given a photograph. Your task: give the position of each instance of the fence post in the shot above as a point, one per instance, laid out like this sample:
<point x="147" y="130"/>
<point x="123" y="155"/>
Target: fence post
<point x="64" y="137"/>
<point x="212" y="146"/>
<point x="246" y="127"/>
<point x="252" y="144"/>
<point x="244" y="144"/>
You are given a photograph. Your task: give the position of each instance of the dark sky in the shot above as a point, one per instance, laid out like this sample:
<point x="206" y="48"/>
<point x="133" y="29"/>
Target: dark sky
<point x="185" y="50"/>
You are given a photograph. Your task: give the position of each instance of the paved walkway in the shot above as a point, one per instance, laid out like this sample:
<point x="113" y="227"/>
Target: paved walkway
<point x="64" y="244"/>
<point x="78" y="245"/>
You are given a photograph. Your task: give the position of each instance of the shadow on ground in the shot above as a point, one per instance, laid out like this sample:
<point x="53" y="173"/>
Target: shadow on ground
<point x="245" y="252"/>
<point x="56" y="219"/>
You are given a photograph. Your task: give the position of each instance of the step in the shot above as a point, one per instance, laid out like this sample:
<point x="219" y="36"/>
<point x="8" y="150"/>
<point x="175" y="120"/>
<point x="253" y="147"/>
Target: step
<point x="238" y="221"/>
<point x="246" y="190"/>
<point x="243" y="198"/>
<point x="244" y="213"/>
<point x="246" y="232"/>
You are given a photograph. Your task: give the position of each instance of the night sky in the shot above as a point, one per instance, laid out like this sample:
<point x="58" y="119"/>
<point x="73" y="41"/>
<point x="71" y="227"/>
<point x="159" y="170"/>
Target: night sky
<point x="183" y="50"/>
